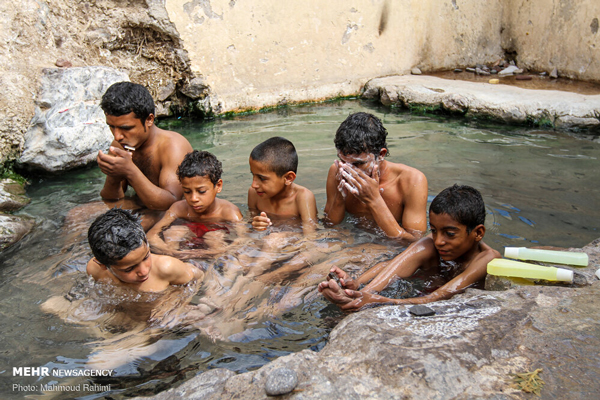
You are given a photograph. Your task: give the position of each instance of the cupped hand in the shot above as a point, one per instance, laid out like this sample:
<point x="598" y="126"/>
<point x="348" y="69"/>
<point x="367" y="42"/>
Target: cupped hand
<point x="363" y="186"/>
<point x="261" y="222"/>
<point x="116" y="163"/>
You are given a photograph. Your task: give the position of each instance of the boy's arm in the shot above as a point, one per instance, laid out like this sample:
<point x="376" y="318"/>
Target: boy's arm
<point x="307" y="207"/>
<point x="414" y="216"/>
<point x="335" y="207"/>
<point x="153" y="235"/>
<point x="169" y="189"/>
<point x="419" y="254"/>
<point x="475" y="271"/>
<point x="177" y="272"/>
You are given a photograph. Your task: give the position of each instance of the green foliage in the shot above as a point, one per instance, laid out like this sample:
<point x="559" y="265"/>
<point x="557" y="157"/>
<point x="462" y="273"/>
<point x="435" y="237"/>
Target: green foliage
<point x="7" y="170"/>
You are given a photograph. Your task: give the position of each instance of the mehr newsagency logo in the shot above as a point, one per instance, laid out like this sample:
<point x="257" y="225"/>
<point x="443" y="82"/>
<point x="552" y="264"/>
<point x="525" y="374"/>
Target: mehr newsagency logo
<point x="61" y="373"/>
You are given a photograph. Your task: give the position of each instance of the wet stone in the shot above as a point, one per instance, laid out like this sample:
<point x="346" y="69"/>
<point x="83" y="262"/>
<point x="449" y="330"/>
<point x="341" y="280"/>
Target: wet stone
<point x="281" y="381"/>
<point x="554" y="73"/>
<point x="470" y="69"/>
<point x="480" y="71"/>
<point x="458" y="70"/>
<point x="415" y="71"/>
<point x="421" y="311"/>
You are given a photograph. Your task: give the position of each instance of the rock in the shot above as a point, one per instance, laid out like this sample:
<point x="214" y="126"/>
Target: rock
<point x="421" y="311"/>
<point x="554" y="73"/>
<point x="12" y="196"/>
<point x="508" y="70"/>
<point x="543" y="73"/>
<point x="518" y="71"/>
<point x="494" y="71"/>
<point x="61" y="63"/>
<point x="164" y="92"/>
<point x="458" y="70"/>
<point x="69" y="126"/>
<point x="480" y="71"/>
<point x="200" y="387"/>
<point x="195" y="89"/>
<point x="163" y="109"/>
<point x="573" y="122"/>
<point x="469" y="69"/>
<point x="415" y="71"/>
<point x="13" y="228"/>
<point x="281" y="381"/>
<point x="523" y="77"/>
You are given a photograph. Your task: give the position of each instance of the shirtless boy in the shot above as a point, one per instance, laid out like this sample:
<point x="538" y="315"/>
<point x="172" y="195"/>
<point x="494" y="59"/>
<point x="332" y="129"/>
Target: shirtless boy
<point x="454" y="249"/>
<point x="273" y="164"/>
<point x="122" y="256"/>
<point x="142" y="155"/>
<point x="364" y="184"/>
<point x="200" y="177"/>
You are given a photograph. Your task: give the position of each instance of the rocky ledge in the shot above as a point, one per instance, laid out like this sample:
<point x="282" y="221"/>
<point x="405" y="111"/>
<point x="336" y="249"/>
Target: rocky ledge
<point x="552" y="108"/>
<point x="469" y="349"/>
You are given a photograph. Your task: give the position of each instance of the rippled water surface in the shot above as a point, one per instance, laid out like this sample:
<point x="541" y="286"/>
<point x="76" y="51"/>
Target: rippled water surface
<point x="540" y="188"/>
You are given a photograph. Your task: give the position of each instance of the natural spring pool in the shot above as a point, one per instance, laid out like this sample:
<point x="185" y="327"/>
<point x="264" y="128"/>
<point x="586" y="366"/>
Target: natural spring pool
<point x="540" y="188"/>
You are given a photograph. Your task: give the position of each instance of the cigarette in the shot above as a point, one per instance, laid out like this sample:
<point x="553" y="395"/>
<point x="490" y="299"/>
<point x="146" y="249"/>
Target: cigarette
<point x="129" y="148"/>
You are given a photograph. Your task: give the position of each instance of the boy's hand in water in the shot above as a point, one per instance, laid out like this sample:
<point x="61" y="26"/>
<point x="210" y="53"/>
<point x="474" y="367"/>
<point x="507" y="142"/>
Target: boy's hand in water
<point x="261" y="222"/>
<point x="117" y="162"/>
<point x="345" y="281"/>
<point x="357" y="182"/>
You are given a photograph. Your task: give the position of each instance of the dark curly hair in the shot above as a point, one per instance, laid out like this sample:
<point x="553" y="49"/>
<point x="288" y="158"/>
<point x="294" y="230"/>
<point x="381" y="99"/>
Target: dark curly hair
<point x="115" y="234"/>
<point x="278" y="153"/>
<point x="361" y="133"/>
<point x="200" y="163"/>
<point x="463" y="203"/>
<point x="124" y="97"/>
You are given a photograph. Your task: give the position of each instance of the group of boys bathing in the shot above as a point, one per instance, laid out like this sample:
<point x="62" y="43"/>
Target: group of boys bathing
<point x="162" y="168"/>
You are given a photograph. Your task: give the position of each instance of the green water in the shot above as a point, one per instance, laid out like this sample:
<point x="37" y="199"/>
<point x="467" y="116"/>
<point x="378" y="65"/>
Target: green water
<point x="540" y="188"/>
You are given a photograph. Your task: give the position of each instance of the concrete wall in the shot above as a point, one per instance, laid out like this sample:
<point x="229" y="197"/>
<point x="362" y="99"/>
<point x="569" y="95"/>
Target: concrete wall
<point x="258" y="53"/>
<point x="555" y="33"/>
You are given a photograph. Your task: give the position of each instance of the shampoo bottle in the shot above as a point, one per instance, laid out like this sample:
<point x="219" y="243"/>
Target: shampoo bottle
<point x="517" y="269"/>
<point x="549" y="256"/>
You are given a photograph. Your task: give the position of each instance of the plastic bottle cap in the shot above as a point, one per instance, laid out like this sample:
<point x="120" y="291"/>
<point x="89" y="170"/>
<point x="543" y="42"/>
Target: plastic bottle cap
<point x="564" y="275"/>
<point x="511" y="252"/>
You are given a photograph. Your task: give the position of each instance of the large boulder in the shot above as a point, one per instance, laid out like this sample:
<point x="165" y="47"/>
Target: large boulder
<point x="69" y="126"/>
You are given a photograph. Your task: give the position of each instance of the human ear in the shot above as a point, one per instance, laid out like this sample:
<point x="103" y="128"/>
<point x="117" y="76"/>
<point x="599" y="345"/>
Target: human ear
<point x="219" y="186"/>
<point x="289" y="177"/>
<point x="382" y="154"/>
<point x="150" y="120"/>
<point x="479" y="232"/>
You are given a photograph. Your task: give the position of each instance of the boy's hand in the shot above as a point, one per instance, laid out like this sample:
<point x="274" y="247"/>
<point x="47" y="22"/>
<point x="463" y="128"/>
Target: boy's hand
<point x="116" y="163"/>
<point x="261" y="222"/>
<point x="341" y="182"/>
<point x="363" y="186"/>
<point x="345" y="280"/>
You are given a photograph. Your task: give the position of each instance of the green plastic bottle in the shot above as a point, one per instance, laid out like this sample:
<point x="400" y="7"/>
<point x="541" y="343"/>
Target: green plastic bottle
<point x="549" y="256"/>
<point x="518" y="269"/>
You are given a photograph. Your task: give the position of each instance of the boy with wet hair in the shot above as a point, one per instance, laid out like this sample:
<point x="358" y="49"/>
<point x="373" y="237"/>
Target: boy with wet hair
<point x="363" y="183"/>
<point x="273" y="164"/>
<point x="454" y="249"/>
<point x="122" y="256"/>
<point x="142" y="155"/>
<point x="200" y="176"/>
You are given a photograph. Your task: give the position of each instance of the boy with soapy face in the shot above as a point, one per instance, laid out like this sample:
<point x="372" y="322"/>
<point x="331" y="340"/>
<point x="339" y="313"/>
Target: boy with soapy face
<point x="364" y="184"/>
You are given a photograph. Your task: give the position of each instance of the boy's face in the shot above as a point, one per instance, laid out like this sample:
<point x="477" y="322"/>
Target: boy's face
<point x="128" y="129"/>
<point x="363" y="161"/>
<point x="265" y="182"/>
<point x="135" y="267"/>
<point x="450" y="236"/>
<point x="200" y="193"/>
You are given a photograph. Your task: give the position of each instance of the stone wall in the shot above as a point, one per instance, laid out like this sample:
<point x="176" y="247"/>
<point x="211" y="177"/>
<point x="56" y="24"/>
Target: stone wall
<point x="554" y="33"/>
<point x="253" y="54"/>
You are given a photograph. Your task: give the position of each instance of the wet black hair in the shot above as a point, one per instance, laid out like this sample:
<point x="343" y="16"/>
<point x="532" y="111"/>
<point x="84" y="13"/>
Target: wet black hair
<point x="361" y="133"/>
<point x="200" y="163"/>
<point x="463" y="203"/>
<point x="121" y="98"/>
<point x="115" y="234"/>
<point x="279" y="154"/>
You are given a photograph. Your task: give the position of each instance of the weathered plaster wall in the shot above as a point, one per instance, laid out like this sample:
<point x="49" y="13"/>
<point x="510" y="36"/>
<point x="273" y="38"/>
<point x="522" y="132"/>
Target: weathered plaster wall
<point x="261" y="53"/>
<point x="555" y="33"/>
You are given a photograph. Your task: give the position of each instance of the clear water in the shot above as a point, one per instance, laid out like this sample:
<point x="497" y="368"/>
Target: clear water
<point x="540" y="188"/>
